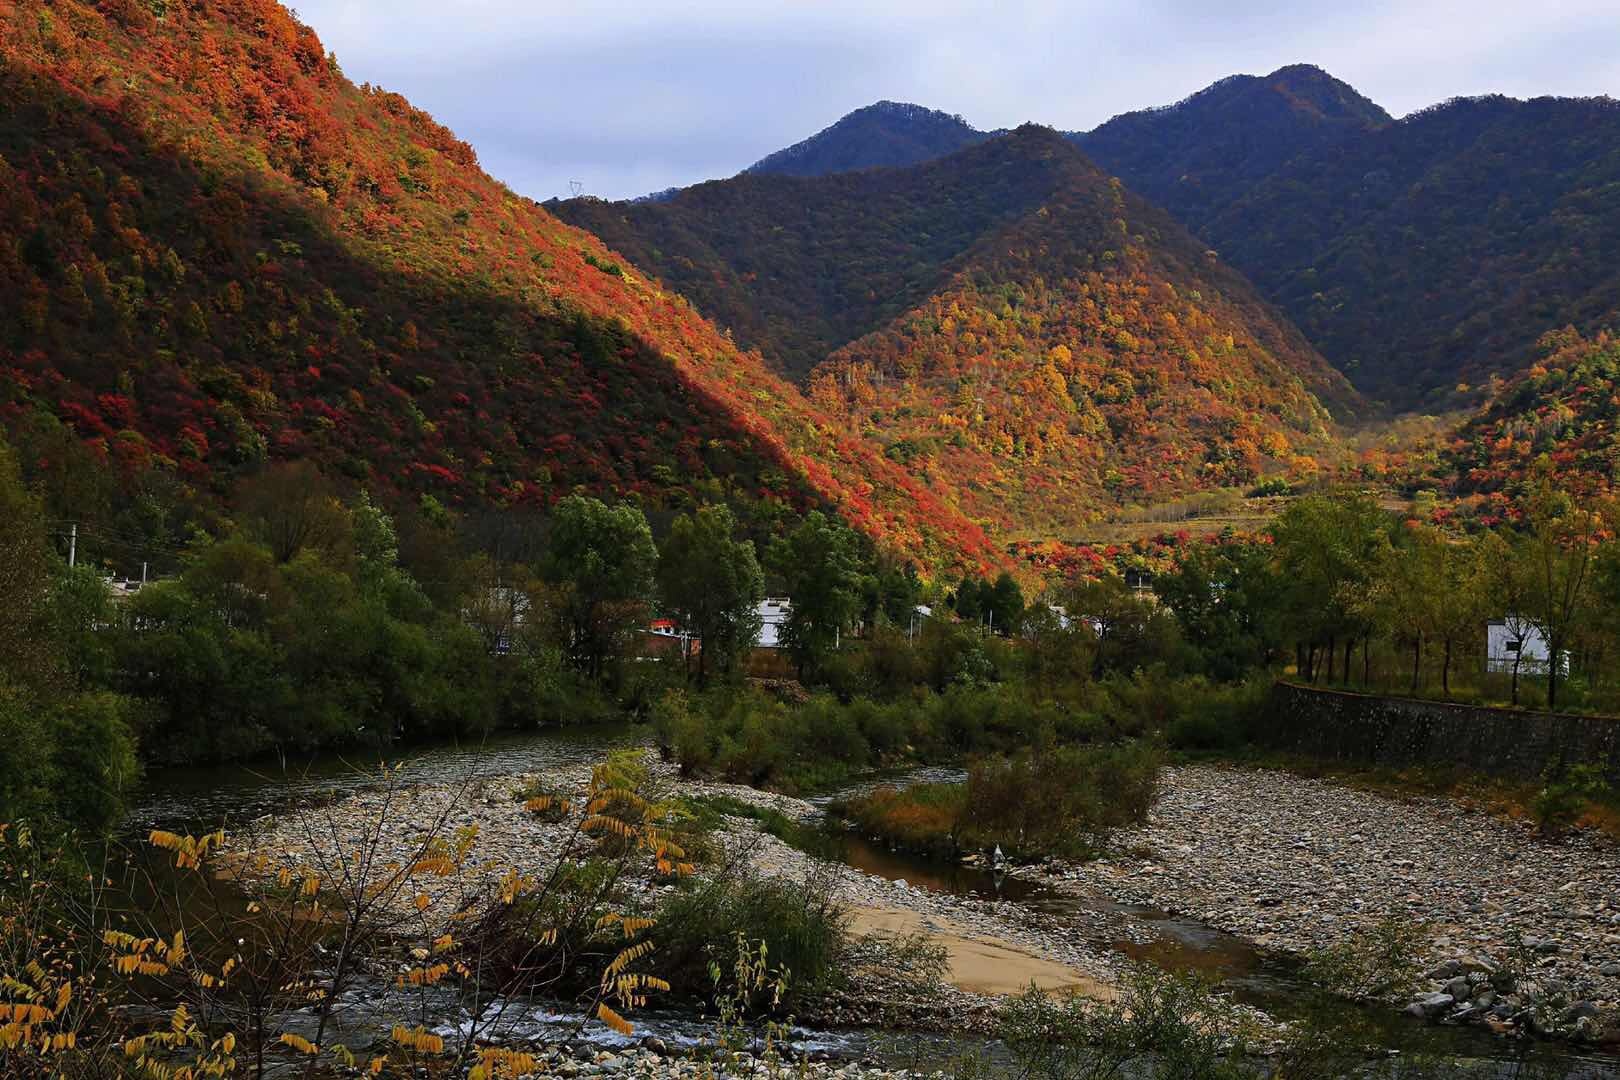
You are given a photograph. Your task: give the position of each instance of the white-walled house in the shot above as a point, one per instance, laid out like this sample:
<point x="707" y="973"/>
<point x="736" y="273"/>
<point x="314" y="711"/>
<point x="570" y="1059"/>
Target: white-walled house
<point x="773" y="616"/>
<point x="1515" y="640"/>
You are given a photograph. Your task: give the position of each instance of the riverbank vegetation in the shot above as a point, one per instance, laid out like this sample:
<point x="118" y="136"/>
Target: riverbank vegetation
<point x="1059" y="801"/>
<point x="316" y="617"/>
<point x="209" y="956"/>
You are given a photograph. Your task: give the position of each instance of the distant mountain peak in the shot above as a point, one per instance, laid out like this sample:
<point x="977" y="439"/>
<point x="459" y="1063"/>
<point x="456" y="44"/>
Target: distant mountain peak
<point x="1211" y="146"/>
<point x="885" y="134"/>
<point x="1311" y="89"/>
<point x="1306" y="89"/>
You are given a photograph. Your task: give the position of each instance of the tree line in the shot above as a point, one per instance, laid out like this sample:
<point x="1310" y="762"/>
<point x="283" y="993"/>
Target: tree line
<point x="314" y="617"/>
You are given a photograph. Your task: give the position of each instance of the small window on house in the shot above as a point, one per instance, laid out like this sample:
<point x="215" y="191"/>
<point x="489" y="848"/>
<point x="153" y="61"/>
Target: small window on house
<point x="1512" y="646"/>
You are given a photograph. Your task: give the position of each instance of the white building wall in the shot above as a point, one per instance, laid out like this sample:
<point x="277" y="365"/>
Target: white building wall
<point x="773" y="615"/>
<point x="1513" y="638"/>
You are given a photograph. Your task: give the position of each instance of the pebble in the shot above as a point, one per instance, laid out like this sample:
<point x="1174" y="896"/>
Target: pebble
<point x="1297" y="864"/>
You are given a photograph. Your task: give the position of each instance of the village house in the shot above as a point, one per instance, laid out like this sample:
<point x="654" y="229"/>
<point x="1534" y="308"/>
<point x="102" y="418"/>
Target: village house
<point x="664" y="637"/>
<point x="1513" y="642"/>
<point x="773" y="616"/>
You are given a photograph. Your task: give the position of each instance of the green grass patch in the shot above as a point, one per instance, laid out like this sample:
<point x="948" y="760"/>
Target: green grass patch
<point x="812" y="838"/>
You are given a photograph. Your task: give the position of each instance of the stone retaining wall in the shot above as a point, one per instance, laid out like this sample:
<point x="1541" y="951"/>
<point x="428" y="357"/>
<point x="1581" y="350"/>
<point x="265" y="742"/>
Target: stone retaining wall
<point x="1510" y="743"/>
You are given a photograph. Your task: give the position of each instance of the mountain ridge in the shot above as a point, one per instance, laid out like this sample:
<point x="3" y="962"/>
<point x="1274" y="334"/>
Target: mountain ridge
<point x="1422" y="255"/>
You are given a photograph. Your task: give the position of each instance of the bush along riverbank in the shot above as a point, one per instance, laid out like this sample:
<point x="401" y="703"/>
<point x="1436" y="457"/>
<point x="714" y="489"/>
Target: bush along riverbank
<point x="410" y="929"/>
<point x="1052" y="801"/>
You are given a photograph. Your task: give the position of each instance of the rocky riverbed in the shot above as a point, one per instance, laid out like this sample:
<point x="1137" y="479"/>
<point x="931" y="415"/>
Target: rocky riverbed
<point x="1519" y="932"/>
<point x="992" y="947"/>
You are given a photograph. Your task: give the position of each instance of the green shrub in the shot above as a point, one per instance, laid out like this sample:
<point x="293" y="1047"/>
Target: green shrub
<point x="922" y="817"/>
<point x="1564" y="796"/>
<point x="707" y="812"/>
<point x="1161" y="1025"/>
<point x="1055" y="800"/>
<point x="1384" y="960"/>
<point x="1058" y="800"/>
<point x="804" y="930"/>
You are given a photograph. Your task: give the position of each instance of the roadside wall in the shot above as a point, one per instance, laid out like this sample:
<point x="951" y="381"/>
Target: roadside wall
<point x="1509" y="743"/>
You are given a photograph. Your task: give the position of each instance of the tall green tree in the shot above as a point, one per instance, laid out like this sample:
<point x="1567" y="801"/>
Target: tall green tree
<point x="1005" y="602"/>
<point x="1462" y="604"/>
<point x="26" y="654"/>
<point x="711" y="581"/>
<point x="1403" y="591"/>
<point x="820" y="564"/>
<point x="291" y="507"/>
<point x="605" y="559"/>
<point x="1119" y="619"/>
<point x="69" y="755"/>
<point x="1507" y="583"/>
<point x="1556" y="557"/>
<point x="1327" y="547"/>
<point x="1227" y="599"/>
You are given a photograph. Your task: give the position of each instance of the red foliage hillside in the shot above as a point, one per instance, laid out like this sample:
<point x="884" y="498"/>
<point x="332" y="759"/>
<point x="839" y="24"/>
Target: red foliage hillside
<point x="215" y="250"/>
<point x="1088" y="351"/>
<point x="1027" y="337"/>
<point x="1561" y="415"/>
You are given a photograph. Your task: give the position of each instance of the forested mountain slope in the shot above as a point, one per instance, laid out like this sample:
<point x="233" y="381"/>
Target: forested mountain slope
<point x="797" y="267"/>
<point x="1421" y="256"/>
<point x="1089" y="352"/>
<point x="1560" y="414"/>
<point x="1198" y="155"/>
<point x="888" y="133"/>
<point x="940" y="296"/>
<point x="216" y="250"/>
<point x="1435" y="251"/>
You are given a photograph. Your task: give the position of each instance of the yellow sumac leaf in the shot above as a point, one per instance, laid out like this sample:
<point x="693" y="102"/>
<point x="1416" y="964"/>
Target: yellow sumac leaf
<point x="298" y="1043"/>
<point x="613" y="1019"/>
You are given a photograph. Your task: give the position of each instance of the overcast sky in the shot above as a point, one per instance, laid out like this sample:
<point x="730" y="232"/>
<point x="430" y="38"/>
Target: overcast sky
<point x="630" y="97"/>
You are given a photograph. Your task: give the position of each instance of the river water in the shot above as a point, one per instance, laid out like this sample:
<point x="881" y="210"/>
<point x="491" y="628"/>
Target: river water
<point x="201" y="799"/>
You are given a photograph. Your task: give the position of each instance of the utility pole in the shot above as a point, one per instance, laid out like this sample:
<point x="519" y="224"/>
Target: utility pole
<point x="73" y="545"/>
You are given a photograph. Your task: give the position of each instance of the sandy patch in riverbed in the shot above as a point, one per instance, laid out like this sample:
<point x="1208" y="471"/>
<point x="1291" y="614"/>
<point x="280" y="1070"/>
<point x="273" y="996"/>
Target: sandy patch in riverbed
<point x="976" y="962"/>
